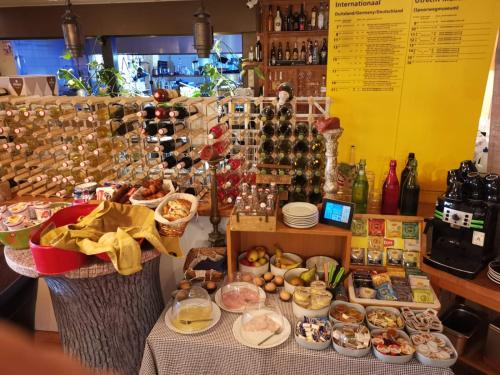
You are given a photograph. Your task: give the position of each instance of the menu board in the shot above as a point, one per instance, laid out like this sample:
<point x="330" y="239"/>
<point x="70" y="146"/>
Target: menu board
<point x="409" y="76"/>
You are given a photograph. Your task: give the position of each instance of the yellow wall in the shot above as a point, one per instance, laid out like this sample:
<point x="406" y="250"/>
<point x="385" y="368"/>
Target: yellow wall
<point x="432" y="107"/>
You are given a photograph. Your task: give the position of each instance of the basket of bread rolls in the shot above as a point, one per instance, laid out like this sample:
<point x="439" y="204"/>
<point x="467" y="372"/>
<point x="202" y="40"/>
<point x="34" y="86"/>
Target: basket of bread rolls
<point x="152" y="192"/>
<point x="174" y="213"/>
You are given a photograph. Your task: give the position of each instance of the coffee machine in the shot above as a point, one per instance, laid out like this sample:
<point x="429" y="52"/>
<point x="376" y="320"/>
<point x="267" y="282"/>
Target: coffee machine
<point x="464" y="234"/>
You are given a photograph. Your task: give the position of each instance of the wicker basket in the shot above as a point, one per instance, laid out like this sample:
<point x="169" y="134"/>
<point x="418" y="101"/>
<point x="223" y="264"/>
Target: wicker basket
<point x="175" y="228"/>
<point x="137" y="199"/>
<point x="196" y="255"/>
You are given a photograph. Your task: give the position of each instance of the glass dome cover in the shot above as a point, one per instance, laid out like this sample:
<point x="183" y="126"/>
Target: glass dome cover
<point x="191" y="310"/>
<point x="238" y="291"/>
<point x="260" y="320"/>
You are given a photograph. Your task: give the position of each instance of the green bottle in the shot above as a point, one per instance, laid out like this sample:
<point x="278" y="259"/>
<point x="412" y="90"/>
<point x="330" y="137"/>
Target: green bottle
<point x="360" y="189"/>
<point x="410" y="191"/>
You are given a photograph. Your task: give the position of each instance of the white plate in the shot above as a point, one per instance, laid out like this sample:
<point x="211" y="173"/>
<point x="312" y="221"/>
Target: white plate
<point x="495" y="280"/>
<point x="301" y="226"/>
<point x="218" y="301"/>
<point x="300" y="209"/>
<point x="300" y="216"/>
<point x="215" y="316"/>
<point x="301" y="223"/>
<point x="493" y="275"/>
<point x="271" y="343"/>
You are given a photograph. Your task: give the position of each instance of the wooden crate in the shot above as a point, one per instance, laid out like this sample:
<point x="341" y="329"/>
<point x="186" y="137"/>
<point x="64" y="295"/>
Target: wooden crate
<point x="253" y="223"/>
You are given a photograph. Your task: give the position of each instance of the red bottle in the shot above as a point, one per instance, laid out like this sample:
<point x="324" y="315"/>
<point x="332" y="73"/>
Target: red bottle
<point x="161" y="112"/>
<point x="390" y="191"/>
<point x="217" y="131"/>
<point x="161" y="96"/>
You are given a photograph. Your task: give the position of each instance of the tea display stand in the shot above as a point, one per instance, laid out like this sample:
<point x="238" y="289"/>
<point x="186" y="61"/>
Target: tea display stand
<point x="102" y="316"/>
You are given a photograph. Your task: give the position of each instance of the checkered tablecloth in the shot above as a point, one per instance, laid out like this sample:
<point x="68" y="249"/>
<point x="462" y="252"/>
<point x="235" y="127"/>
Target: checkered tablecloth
<point x="217" y="352"/>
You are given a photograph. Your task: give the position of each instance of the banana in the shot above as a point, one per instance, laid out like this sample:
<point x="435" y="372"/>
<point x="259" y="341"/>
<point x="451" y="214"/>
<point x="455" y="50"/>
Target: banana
<point x="293" y="265"/>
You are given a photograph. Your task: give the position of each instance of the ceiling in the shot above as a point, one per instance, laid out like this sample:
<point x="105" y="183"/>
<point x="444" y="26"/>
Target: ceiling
<point x="26" y="3"/>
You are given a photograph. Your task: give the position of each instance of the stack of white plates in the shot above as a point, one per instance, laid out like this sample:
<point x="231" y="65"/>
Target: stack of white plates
<point x="300" y="215"/>
<point x="494" y="271"/>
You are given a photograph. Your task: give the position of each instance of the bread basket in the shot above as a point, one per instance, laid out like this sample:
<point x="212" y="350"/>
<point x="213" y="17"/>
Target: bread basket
<point x="137" y="198"/>
<point x="175" y="228"/>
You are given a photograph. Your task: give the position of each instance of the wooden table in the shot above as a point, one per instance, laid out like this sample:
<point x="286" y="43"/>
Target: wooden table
<point x="102" y="316"/>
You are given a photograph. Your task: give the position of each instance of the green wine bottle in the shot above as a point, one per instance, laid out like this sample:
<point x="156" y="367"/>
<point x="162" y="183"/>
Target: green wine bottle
<point x="410" y="191"/>
<point x="360" y="189"/>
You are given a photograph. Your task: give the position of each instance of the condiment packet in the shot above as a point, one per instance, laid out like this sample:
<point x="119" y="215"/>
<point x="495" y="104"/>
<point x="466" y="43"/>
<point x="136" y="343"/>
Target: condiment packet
<point x="394" y="257"/>
<point x="376" y="227"/>
<point x="412" y="245"/>
<point x="393" y="228"/>
<point x="376" y="243"/>
<point x="385" y="292"/>
<point x="423" y="295"/>
<point x="358" y="255"/>
<point x="359" y="227"/>
<point x="375" y="257"/>
<point x="411" y="258"/>
<point x="380" y="278"/>
<point x="410" y="230"/>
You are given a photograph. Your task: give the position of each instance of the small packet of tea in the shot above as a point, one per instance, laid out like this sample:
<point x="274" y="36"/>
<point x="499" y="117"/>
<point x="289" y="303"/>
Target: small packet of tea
<point x="375" y="257"/>
<point x="358" y="255"/>
<point x="394" y="257"/>
<point x="410" y="230"/>
<point x="376" y="227"/>
<point x="393" y="228"/>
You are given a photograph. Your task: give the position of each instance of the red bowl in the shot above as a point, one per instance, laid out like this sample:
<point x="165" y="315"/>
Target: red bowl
<point x="51" y="260"/>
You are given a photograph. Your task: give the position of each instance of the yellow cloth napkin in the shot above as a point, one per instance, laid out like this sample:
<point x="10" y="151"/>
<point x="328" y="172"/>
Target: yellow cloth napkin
<point x="113" y="228"/>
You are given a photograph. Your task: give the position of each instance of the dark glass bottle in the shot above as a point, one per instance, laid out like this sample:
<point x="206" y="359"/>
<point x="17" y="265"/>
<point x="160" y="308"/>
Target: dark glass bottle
<point x="273" y="55"/>
<point x="258" y="49"/>
<point x="267" y="130"/>
<point x="267" y="147"/>
<point x="289" y="19"/>
<point x="285" y="112"/>
<point x="284" y="160"/>
<point x="170" y="145"/>
<point x="301" y="129"/>
<point x="288" y="53"/>
<point x="266" y="159"/>
<point x="180" y="112"/>
<point x="267" y="113"/>
<point x="296" y="20"/>
<point x="284" y="146"/>
<point x="300" y="146"/>
<point x="299" y="179"/>
<point x="148" y="112"/>
<point x="317" y="163"/>
<point x="167" y="128"/>
<point x="360" y="189"/>
<point x="404" y="173"/>
<point x="150" y="128"/>
<point x="302" y="18"/>
<point x="300" y="163"/>
<point x="284" y="129"/>
<point x="298" y="195"/>
<point x="316" y="178"/>
<point x="410" y="191"/>
<point x="303" y="52"/>
<point x="323" y="55"/>
<point x="315" y="196"/>
<point x="295" y="52"/>
<point x="279" y="54"/>
<point x="187" y="162"/>
<point x="317" y="146"/>
<point x="390" y="191"/>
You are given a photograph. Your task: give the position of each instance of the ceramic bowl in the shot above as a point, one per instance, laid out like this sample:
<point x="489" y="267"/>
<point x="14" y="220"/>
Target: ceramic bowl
<point x="439" y="362"/>
<point x="294" y="272"/>
<point x="347" y="351"/>
<point x="300" y="312"/>
<point x="256" y="271"/>
<point x="389" y="309"/>
<point x="319" y="261"/>
<point x="396" y="359"/>
<point x="311" y="345"/>
<point x="355" y="306"/>
<point x="277" y="271"/>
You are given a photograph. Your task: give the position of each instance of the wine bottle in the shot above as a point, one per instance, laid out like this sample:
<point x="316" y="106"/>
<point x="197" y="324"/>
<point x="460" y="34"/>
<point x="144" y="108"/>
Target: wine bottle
<point x="290" y="19"/>
<point x="317" y="163"/>
<point x="267" y="113"/>
<point x="169" y="146"/>
<point x="298" y="195"/>
<point x="299" y="179"/>
<point x="315" y="196"/>
<point x="317" y="146"/>
<point x="410" y="191"/>
<point x="303" y="52"/>
<point x="266" y="158"/>
<point x="267" y="130"/>
<point x="277" y="20"/>
<point x="273" y="55"/>
<point x="162" y="113"/>
<point x="284" y="160"/>
<point x="284" y="129"/>
<point x="258" y="49"/>
<point x="161" y="96"/>
<point x="316" y="178"/>
<point x="279" y="54"/>
<point x="187" y="162"/>
<point x="285" y="112"/>
<point x="217" y="131"/>
<point x="314" y="14"/>
<point x="251" y="56"/>
<point x="180" y="112"/>
<point x="300" y="163"/>
<point x="301" y="130"/>
<point x="323" y="57"/>
<point x="404" y="173"/>
<point x="147" y="113"/>
<point x="267" y="146"/>
<point x="390" y="191"/>
<point x="321" y="17"/>
<point x="360" y="189"/>
<point x="296" y="18"/>
<point x="167" y="128"/>
<point x="295" y="53"/>
<point x="302" y="18"/>
<point x="270" y="19"/>
<point x="287" y="52"/>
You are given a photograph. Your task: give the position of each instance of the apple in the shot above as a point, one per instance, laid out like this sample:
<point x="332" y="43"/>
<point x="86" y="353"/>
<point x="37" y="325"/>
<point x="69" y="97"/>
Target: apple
<point x="245" y="262"/>
<point x="262" y="251"/>
<point x="253" y="255"/>
<point x="262" y="261"/>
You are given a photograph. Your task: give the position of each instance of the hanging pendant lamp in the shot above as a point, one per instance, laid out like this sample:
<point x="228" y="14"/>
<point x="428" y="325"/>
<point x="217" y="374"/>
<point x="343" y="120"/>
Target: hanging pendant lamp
<point x="203" y="32"/>
<point x="71" y="32"/>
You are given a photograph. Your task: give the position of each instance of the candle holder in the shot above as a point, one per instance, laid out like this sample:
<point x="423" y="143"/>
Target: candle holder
<point x="330" y="186"/>
<point x="216" y="238"/>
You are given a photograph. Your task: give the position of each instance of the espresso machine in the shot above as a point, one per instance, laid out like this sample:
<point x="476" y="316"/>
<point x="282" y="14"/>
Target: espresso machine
<point x="464" y="234"/>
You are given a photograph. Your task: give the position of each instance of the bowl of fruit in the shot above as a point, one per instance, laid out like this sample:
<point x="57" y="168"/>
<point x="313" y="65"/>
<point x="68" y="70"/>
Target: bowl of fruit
<point x="254" y="261"/>
<point x="298" y="277"/>
<point x="282" y="262"/>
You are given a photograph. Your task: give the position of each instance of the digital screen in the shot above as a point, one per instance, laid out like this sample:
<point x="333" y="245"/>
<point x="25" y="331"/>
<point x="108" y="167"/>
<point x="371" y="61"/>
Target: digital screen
<point x="337" y="212"/>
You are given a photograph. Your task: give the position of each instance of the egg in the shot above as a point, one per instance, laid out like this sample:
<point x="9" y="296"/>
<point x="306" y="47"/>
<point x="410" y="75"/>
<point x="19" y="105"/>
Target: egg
<point x="184" y="284"/>
<point x="247" y="277"/>
<point x="268" y="276"/>
<point x="285" y="296"/>
<point x="278" y="280"/>
<point x="270" y="287"/>
<point x="259" y="281"/>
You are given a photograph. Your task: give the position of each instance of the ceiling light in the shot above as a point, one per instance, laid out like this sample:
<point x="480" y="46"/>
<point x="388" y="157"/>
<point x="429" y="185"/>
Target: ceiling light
<point x="71" y="32"/>
<point x="203" y="32"/>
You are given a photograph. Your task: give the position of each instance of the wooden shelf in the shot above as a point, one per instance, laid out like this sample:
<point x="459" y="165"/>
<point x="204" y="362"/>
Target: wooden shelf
<point x="473" y="357"/>
<point x="298" y="34"/>
<point x="480" y="290"/>
<point x="297" y="67"/>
